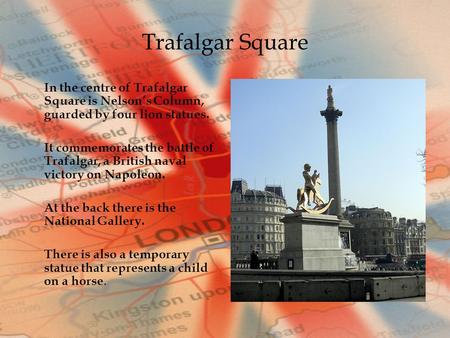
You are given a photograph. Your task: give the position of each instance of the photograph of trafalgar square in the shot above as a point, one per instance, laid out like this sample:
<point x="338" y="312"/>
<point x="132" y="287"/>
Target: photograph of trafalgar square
<point x="328" y="190"/>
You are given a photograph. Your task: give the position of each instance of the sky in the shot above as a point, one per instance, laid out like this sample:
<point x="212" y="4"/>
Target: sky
<point x="276" y="128"/>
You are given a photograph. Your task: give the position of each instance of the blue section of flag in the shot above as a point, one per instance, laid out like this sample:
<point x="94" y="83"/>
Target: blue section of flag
<point x="440" y="213"/>
<point x="22" y="160"/>
<point x="442" y="247"/>
<point x="37" y="53"/>
<point x="407" y="319"/>
<point x="209" y="18"/>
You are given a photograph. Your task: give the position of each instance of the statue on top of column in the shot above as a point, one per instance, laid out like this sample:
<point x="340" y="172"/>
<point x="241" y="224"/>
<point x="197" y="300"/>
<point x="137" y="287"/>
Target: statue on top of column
<point x="330" y="99"/>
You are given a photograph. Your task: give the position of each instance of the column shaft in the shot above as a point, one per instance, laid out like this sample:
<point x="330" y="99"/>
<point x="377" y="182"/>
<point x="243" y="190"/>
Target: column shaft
<point x="334" y="184"/>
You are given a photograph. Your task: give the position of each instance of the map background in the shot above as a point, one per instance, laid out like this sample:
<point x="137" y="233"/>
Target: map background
<point x="90" y="41"/>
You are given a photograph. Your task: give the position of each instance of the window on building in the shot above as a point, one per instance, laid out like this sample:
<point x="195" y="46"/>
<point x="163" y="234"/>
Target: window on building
<point x="290" y="264"/>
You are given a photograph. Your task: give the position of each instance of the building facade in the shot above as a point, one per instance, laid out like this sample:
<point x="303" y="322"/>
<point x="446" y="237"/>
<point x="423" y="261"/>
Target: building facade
<point x="256" y="221"/>
<point x="377" y="234"/>
<point x="373" y="234"/>
<point x="415" y="240"/>
<point x="400" y="236"/>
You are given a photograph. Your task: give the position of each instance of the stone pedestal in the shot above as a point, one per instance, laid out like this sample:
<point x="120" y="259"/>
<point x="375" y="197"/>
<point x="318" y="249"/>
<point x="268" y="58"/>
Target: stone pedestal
<point x="351" y="263"/>
<point x="312" y="242"/>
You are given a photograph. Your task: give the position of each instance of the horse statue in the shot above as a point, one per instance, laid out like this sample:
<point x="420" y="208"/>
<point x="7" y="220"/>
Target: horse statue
<point x="310" y="193"/>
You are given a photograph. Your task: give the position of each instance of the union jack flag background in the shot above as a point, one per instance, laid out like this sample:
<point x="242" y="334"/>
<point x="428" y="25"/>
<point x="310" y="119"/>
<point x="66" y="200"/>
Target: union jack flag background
<point x="99" y="41"/>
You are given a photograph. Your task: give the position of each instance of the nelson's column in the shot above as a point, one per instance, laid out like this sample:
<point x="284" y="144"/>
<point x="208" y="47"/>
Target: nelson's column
<point x="334" y="183"/>
<point x="314" y="240"/>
